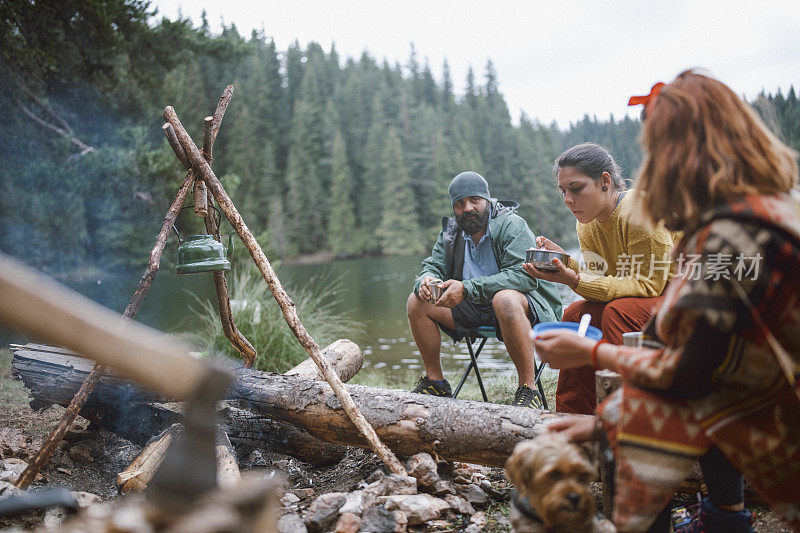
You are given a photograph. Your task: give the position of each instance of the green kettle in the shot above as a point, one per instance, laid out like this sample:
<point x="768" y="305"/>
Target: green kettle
<point x="202" y="253"/>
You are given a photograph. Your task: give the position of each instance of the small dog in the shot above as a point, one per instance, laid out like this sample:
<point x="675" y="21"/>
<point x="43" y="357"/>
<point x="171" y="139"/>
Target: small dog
<point x="552" y="477"/>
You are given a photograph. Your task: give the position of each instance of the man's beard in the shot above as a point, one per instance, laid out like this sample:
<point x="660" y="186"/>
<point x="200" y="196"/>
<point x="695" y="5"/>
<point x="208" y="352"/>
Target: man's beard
<point x="474" y="222"/>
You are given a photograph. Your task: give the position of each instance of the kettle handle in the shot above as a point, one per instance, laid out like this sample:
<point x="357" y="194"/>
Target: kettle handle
<point x="219" y="214"/>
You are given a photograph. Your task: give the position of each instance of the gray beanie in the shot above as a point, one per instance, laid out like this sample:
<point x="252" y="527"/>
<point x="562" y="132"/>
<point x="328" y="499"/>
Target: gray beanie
<point x="468" y="184"/>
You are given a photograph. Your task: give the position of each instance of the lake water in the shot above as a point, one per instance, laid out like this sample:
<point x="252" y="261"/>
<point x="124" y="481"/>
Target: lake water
<point x="372" y="291"/>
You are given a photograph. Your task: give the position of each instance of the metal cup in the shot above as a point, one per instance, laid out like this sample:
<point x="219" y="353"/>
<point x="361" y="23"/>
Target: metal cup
<point x="435" y="286"/>
<point x="633" y="338"/>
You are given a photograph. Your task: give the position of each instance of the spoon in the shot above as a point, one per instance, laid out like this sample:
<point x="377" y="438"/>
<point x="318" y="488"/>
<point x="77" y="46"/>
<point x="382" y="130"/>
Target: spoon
<point x="583" y="326"/>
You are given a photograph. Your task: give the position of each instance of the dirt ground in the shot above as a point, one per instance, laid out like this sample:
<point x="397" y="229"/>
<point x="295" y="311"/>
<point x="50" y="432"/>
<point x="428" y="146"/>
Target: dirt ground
<point x="89" y="461"/>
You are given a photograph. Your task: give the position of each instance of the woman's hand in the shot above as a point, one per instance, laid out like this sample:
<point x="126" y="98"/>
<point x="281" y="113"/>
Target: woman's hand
<point x="547" y="244"/>
<point x="576" y="428"/>
<point x="564" y="275"/>
<point x="564" y="349"/>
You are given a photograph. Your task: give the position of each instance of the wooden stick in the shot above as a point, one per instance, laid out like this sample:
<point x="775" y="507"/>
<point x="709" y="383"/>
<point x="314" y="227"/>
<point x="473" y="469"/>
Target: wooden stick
<point x="176" y="146"/>
<point x="57" y="434"/>
<point x="239" y="342"/>
<point x="286" y="304"/>
<point x="200" y="199"/>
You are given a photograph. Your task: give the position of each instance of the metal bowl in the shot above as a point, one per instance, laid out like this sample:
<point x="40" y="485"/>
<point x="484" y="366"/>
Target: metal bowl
<point x="543" y="259"/>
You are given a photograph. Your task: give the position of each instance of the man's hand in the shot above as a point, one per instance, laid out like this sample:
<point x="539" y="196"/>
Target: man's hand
<point x="425" y="289"/>
<point x="453" y="294"/>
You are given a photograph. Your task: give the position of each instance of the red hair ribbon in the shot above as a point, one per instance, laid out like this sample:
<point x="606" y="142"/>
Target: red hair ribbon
<point x="646" y="99"/>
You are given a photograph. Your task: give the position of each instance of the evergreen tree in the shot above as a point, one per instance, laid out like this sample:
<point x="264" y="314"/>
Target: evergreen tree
<point x="398" y="232"/>
<point x="342" y="220"/>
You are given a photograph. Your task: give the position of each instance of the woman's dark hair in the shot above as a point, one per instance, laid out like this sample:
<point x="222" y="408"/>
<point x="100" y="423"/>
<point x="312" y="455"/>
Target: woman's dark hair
<point x="591" y="159"/>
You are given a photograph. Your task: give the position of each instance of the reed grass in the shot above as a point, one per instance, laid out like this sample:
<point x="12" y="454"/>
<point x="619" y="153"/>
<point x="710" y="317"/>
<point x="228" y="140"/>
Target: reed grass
<point x="259" y="318"/>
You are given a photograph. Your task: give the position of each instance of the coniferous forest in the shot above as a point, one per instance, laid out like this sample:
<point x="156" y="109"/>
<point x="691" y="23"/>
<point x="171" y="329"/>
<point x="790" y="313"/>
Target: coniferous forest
<point x="318" y="151"/>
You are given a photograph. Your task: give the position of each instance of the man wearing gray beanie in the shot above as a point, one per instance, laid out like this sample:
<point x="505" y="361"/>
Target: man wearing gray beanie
<point x="478" y="255"/>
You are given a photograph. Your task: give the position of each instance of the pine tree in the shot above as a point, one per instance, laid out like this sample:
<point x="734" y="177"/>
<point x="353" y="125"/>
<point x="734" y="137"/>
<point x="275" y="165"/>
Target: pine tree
<point x="368" y="205"/>
<point x="342" y="219"/>
<point x="398" y="232"/>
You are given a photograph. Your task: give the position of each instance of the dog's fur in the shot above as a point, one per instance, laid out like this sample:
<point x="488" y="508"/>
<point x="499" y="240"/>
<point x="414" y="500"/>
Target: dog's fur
<point x="553" y="475"/>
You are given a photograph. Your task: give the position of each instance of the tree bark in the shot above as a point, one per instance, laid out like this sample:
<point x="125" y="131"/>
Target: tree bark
<point x="76" y="404"/>
<point x="286" y="304"/>
<point x="461" y="430"/>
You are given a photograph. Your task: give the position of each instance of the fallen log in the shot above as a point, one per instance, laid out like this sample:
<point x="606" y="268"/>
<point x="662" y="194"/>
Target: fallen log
<point x="51" y="373"/>
<point x="474" y="432"/>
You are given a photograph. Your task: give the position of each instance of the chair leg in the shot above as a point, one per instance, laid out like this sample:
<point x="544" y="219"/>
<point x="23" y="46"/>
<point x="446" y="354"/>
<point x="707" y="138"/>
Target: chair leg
<point x="537" y="373"/>
<point x="473" y="355"/>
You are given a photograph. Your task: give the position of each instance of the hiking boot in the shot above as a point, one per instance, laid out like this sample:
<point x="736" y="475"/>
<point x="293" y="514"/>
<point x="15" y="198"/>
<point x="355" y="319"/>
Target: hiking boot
<point x="527" y="397"/>
<point x="428" y="386"/>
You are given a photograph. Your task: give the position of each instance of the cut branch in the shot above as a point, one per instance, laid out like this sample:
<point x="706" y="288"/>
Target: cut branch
<point x="176" y="146"/>
<point x="286" y="304"/>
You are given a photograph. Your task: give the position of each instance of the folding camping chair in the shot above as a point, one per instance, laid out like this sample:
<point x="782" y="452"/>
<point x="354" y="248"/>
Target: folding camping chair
<point x="479" y="336"/>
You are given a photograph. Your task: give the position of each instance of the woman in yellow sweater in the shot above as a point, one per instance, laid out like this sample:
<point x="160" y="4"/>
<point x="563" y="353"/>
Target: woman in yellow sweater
<point x="626" y="265"/>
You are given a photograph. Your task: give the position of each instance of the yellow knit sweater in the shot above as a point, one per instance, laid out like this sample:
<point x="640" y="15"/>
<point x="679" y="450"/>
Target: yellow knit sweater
<point x="623" y="257"/>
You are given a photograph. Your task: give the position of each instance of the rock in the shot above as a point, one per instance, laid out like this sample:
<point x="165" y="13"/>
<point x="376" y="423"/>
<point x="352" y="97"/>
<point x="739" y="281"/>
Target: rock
<point x="388" y="485"/>
<point x="291" y="523"/>
<point x="474" y="495"/>
<point x="472" y="528"/>
<point x="353" y="504"/>
<point x="499" y="495"/>
<point x="86" y="450"/>
<point x="86" y="499"/>
<point x="423" y="467"/>
<point x="501" y="519"/>
<point x="418" y="508"/>
<point x="304" y="494"/>
<point x="11" y="468"/>
<point x="466" y="473"/>
<point x="439" y="525"/>
<point x="15" y="443"/>
<point x="444" y="487"/>
<point x="8" y="489"/>
<point x="130" y="519"/>
<point x="54" y="517"/>
<point x="459" y="504"/>
<point x="479" y="519"/>
<point x="348" y="523"/>
<point x="289" y="499"/>
<point x="375" y="476"/>
<point x="323" y="512"/>
<point x="379" y="519"/>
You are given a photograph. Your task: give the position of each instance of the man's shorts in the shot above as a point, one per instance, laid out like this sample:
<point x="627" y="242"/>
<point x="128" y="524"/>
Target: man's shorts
<point x="469" y="315"/>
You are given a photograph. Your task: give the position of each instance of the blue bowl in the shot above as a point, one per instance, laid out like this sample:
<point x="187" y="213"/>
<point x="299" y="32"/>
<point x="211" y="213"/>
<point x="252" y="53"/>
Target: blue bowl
<point x="541" y="327"/>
